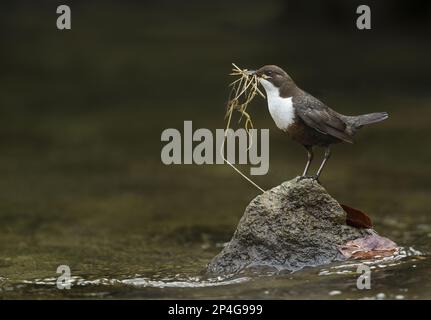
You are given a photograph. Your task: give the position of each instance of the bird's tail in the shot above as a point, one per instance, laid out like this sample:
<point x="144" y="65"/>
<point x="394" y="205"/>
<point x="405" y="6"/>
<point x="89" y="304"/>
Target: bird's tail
<point x="370" y="118"/>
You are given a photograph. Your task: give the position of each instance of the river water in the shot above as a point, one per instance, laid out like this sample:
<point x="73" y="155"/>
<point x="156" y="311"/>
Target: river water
<point x="82" y="184"/>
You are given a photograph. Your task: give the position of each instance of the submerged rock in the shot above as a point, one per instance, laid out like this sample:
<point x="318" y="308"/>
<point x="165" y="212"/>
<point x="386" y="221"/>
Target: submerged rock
<point x="369" y="247"/>
<point x="294" y="225"/>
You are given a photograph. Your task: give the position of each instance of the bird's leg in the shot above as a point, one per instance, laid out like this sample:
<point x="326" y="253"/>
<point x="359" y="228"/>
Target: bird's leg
<point x="310" y="158"/>
<point x="326" y="157"/>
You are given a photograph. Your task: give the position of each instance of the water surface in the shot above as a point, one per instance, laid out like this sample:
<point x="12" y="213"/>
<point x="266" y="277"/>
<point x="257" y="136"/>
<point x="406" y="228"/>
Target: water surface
<point x="81" y="179"/>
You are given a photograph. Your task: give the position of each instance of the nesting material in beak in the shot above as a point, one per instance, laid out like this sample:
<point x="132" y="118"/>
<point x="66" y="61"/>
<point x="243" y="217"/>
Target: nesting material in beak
<point x="242" y="93"/>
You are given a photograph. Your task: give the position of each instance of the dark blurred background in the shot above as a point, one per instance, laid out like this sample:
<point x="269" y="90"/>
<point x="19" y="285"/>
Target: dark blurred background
<point x="81" y="113"/>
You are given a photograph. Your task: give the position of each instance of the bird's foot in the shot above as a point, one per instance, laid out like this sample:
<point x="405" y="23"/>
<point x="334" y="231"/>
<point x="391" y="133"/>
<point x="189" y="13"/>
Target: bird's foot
<point x="315" y="178"/>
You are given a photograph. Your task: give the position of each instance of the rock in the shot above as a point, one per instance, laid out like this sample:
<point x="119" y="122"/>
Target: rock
<point x="294" y="225"/>
<point x="372" y="246"/>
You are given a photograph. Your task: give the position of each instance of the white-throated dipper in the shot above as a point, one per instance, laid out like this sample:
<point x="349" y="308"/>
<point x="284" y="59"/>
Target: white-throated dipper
<point x="305" y="118"/>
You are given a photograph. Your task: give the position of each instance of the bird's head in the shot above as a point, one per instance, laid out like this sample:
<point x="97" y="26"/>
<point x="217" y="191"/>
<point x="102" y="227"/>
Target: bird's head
<point x="273" y="77"/>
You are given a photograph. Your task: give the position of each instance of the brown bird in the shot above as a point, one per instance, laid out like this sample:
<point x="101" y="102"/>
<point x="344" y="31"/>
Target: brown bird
<point x="305" y="118"/>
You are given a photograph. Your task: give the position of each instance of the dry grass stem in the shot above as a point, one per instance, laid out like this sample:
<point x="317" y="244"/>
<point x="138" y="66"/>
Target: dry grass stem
<point x="243" y="91"/>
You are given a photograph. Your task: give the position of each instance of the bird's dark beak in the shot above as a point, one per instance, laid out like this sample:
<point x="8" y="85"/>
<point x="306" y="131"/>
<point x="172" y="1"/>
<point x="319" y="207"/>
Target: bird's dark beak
<point x="254" y="73"/>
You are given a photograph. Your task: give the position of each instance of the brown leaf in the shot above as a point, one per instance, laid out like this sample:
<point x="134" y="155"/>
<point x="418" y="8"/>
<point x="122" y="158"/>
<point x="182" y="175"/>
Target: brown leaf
<point x="357" y="218"/>
<point x="371" y="246"/>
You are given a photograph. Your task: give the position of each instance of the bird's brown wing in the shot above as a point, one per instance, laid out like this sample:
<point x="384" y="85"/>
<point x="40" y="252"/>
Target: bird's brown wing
<point x="320" y="117"/>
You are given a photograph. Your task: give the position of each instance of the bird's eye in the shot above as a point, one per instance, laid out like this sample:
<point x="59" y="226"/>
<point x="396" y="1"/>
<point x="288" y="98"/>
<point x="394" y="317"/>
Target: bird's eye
<point x="269" y="73"/>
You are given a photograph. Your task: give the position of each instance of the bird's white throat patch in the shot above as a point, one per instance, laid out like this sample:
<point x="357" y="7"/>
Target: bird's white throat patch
<point x="281" y="109"/>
